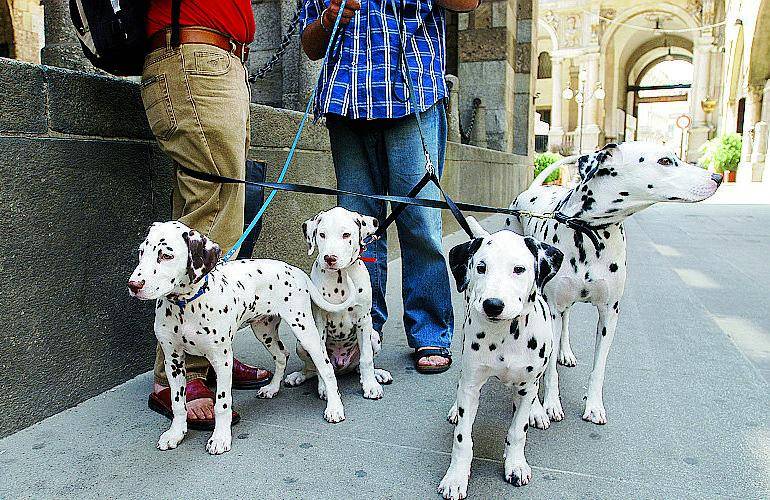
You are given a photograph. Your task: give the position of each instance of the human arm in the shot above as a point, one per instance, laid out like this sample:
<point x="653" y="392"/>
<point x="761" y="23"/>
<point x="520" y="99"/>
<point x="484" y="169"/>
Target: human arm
<point x="315" y="36"/>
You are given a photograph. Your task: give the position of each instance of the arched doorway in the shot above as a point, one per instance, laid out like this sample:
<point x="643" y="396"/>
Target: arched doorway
<point x="660" y="99"/>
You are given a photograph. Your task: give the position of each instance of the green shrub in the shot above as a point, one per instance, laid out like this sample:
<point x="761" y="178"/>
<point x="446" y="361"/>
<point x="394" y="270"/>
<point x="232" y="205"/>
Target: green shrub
<point x="722" y="153"/>
<point x="542" y="161"/>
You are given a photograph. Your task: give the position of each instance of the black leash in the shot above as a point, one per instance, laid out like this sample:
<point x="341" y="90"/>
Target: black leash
<point x="401" y="202"/>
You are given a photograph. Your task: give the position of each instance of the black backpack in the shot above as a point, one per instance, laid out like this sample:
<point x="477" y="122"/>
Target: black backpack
<point x="112" y="32"/>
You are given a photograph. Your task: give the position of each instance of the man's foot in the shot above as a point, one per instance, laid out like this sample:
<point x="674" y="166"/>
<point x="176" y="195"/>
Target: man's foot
<point x="200" y="404"/>
<point x="245" y="377"/>
<point x="431" y="359"/>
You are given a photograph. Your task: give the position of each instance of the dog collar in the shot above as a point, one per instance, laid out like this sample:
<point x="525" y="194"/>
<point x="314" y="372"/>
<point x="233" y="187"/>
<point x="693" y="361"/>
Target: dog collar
<point x="183" y="302"/>
<point x="369" y="260"/>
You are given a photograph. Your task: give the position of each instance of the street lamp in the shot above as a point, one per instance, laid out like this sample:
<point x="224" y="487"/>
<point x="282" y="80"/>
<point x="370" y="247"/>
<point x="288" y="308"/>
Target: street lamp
<point x="582" y="96"/>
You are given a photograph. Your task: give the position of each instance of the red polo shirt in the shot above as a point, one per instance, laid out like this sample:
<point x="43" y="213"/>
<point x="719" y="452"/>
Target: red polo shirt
<point x="232" y="17"/>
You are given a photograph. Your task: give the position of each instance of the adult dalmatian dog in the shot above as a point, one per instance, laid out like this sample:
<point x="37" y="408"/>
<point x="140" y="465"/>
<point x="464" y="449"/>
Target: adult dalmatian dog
<point x="338" y="271"/>
<point x="506" y="334"/>
<point x="200" y="306"/>
<point x="615" y="183"/>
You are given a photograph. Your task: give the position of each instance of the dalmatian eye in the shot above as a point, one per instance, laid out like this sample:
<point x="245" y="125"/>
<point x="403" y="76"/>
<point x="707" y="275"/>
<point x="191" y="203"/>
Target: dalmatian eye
<point x="518" y="269"/>
<point x="481" y="268"/>
<point x="165" y="256"/>
<point x="665" y="162"/>
<point x="322" y="235"/>
<point x="346" y="235"/>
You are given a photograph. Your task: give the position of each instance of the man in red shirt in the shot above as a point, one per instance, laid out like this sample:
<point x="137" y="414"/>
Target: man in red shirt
<point x="196" y="96"/>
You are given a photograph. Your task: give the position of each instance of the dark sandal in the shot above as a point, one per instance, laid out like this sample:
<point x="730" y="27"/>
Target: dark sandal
<point x="195" y="389"/>
<point x="245" y="377"/>
<point x="417" y="355"/>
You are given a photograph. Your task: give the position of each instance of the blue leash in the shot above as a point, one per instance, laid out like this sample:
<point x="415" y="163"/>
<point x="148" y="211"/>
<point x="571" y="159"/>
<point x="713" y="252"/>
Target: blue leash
<point x="334" y="40"/>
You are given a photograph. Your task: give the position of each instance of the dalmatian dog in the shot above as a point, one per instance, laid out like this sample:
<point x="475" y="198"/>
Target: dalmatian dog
<point x="351" y="342"/>
<point x="506" y="335"/>
<point x="200" y="305"/>
<point x="613" y="184"/>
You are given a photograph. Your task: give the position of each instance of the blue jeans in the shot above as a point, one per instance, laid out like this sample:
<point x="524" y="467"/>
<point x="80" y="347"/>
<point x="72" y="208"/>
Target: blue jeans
<point x="385" y="157"/>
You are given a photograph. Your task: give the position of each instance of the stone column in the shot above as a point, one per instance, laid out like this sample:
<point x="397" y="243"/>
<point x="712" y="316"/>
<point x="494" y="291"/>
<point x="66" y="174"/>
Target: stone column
<point x="495" y="58"/>
<point x="700" y="129"/>
<point x="62" y="47"/>
<point x="479" y="132"/>
<point x="525" y="79"/>
<point x="591" y="131"/>
<point x="556" y="133"/>
<point x="759" y="151"/>
<point x="752" y="115"/>
<point x="453" y="116"/>
<point x="267" y="15"/>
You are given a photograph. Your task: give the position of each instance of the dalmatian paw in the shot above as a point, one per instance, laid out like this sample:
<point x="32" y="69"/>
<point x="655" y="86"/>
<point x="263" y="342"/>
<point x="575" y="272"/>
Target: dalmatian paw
<point x="383" y="376"/>
<point x="334" y="414"/>
<point x="454" y="486"/>
<point x="595" y="413"/>
<point x="268" y="391"/>
<point x="567" y="358"/>
<point x="373" y="391"/>
<point x="538" y="418"/>
<point x="219" y="443"/>
<point x="553" y="409"/>
<point x="170" y="439"/>
<point x="295" y="379"/>
<point x="519" y="474"/>
<point x="453" y="415"/>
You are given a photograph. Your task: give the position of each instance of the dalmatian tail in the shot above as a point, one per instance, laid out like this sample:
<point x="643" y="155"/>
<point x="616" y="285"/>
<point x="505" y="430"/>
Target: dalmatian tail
<point x="324" y="304"/>
<point x="540" y="179"/>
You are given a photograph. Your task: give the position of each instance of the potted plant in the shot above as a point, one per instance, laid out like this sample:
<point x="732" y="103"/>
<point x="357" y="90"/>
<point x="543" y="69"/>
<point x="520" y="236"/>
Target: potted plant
<point x="722" y="155"/>
<point x="543" y="161"/>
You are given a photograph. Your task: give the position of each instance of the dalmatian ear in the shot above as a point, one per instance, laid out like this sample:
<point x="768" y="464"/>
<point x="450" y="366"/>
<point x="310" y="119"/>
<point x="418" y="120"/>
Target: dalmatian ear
<point x="548" y="260"/>
<point x="202" y="255"/>
<point x="367" y="226"/>
<point x="590" y="163"/>
<point x="309" y="228"/>
<point x="459" y="257"/>
<point x="476" y="229"/>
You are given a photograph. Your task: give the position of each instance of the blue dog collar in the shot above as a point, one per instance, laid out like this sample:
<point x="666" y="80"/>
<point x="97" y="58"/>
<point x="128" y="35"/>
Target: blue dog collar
<point x="183" y="302"/>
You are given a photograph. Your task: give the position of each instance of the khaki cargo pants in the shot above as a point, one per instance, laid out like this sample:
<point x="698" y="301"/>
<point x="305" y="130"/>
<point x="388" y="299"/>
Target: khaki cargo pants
<point x="197" y="102"/>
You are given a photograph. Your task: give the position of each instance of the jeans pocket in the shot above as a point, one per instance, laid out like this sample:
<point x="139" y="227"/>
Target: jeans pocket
<point x="211" y="63"/>
<point x="157" y="106"/>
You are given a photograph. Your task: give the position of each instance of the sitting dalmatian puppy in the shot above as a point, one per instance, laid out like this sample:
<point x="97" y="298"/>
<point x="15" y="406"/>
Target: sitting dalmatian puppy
<point x="350" y="340"/>
<point x="506" y="335"/>
<point x="614" y="183"/>
<point x="200" y="306"/>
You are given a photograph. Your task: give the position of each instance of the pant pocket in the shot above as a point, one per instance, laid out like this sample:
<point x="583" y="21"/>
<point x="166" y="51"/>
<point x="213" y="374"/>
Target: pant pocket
<point x="157" y="106"/>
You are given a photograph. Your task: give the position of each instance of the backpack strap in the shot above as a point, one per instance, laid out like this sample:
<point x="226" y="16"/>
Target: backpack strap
<point x="176" y="6"/>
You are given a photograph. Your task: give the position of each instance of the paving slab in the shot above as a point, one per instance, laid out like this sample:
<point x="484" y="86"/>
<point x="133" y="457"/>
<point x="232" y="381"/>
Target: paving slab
<point x="687" y="399"/>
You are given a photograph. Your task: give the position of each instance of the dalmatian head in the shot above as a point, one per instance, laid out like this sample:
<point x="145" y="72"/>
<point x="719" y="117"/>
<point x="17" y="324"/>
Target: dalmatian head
<point x="501" y="273"/>
<point x="172" y="258"/>
<point x="620" y="180"/>
<point x="339" y="235"/>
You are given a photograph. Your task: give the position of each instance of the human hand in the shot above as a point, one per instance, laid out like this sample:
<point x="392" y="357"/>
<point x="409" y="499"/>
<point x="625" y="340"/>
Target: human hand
<point x="329" y="15"/>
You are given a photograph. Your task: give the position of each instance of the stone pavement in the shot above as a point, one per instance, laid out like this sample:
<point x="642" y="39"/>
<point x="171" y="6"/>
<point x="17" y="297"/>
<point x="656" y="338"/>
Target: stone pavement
<point x="687" y="397"/>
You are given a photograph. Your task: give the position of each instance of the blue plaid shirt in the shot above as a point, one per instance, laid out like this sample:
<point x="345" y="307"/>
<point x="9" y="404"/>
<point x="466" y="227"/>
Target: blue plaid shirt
<point x="364" y="77"/>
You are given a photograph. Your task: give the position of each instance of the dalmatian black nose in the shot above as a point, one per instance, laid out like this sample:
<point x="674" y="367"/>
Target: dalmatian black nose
<point x="135" y="286"/>
<point x="493" y="307"/>
<point x="330" y="259"/>
<point x="717" y="178"/>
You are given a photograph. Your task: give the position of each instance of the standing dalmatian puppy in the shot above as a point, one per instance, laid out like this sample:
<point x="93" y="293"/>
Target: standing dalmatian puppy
<point x="506" y="334"/>
<point x="200" y="306"/>
<point x="350" y="340"/>
<point x="615" y="183"/>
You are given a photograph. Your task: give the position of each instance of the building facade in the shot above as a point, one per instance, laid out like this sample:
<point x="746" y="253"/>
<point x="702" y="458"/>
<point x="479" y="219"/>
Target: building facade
<point x="606" y="68"/>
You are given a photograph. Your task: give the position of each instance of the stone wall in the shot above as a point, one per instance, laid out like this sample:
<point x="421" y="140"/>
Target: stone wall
<point x="82" y="181"/>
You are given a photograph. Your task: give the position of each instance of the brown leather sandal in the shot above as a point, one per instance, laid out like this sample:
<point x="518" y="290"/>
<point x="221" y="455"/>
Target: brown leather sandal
<point x="245" y="377"/>
<point x="195" y="389"/>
